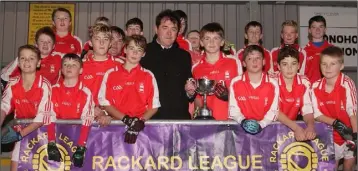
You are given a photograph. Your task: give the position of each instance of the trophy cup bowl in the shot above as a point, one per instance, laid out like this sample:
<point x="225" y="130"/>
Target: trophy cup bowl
<point x="205" y="87"/>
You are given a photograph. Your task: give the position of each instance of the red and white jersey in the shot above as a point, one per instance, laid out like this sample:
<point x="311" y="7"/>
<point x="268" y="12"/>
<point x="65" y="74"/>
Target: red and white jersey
<point x="302" y="58"/>
<point x="296" y="100"/>
<point x="73" y="103"/>
<point x="313" y="71"/>
<point x="131" y="93"/>
<point x="196" y="56"/>
<point x="35" y="103"/>
<point x="340" y="103"/>
<point x="224" y="70"/>
<point x="87" y="46"/>
<point x="50" y="68"/>
<point x="68" y="44"/>
<point x="93" y="72"/>
<point x="267" y="57"/>
<point x="254" y="101"/>
<point x="184" y="43"/>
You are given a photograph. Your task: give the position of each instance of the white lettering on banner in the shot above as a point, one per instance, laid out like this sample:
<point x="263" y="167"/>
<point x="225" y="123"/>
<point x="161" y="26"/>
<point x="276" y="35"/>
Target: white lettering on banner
<point x="341" y="29"/>
<point x="343" y="17"/>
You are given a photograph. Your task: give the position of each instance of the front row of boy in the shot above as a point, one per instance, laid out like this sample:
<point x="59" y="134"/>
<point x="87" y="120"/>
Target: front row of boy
<point x="129" y="92"/>
<point x="133" y="99"/>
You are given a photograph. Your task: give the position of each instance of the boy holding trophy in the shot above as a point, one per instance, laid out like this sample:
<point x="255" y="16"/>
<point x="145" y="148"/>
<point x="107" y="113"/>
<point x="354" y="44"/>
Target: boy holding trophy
<point x="217" y="67"/>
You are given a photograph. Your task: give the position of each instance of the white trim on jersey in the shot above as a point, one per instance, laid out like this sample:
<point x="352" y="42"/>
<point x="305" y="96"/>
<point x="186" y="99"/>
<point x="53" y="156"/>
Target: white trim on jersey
<point x="9" y="69"/>
<point x="102" y="99"/>
<point x="87" y="115"/>
<point x="303" y="64"/>
<point x="234" y="110"/>
<point x="7" y="96"/>
<point x="155" y="99"/>
<point x="272" y="113"/>
<point x="80" y="41"/>
<point x="44" y="109"/>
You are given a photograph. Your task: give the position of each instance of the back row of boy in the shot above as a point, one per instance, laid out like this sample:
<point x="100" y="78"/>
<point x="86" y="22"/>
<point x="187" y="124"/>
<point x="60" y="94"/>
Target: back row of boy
<point x="135" y="98"/>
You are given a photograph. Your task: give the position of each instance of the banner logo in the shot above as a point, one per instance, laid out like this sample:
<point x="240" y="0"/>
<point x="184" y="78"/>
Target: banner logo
<point x="39" y="160"/>
<point x="299" y="151"/>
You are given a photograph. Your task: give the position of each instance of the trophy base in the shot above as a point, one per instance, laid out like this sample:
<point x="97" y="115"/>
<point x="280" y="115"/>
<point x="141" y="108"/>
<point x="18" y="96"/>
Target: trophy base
<point x="204" y="118"/>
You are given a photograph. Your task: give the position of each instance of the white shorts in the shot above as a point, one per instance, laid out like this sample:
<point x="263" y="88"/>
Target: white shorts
<point x="16" y="152"/>
<point x="341" y="151"/>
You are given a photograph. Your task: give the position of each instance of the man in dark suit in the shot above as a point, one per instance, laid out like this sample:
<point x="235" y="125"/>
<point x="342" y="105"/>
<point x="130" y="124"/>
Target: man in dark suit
<point x="171" y="67"/>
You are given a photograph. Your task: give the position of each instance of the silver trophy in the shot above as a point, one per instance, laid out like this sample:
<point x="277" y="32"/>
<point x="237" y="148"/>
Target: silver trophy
<point x="205" y="87"/>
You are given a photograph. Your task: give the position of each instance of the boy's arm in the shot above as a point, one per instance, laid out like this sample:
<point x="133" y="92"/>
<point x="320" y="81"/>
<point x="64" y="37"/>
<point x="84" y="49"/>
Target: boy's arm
<point x="6" y="103"/>
<point x="152" y="98"/>
<point x="44" y="108"/>
<point x="87" y="117"/>
<point x="299" y="132"/>
<point x="234" y="109"/>
<point x="351" y="106"/>
<point x="272" y="113"/>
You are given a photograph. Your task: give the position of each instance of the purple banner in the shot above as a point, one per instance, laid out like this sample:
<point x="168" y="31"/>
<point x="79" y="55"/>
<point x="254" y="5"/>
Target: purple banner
<point x="183" y="147"/>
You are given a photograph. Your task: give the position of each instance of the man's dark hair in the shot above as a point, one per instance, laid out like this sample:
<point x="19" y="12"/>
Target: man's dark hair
<point x="118" y="30"/>
<point x="193" y="31"/>
<point x="317" y="18"/>
<point x="72" y="56"/>
<point x="62" y="10"/>
<point x="249" y="49"/>
<point x="212" y="28"/>
<point x="181" y="14"/>
<point x="167" y="15"/>
<point x="46" y="31"/>
<point x="287" y="51"/>
<point x="135" y="21"/>
<point x="252" y="24"/>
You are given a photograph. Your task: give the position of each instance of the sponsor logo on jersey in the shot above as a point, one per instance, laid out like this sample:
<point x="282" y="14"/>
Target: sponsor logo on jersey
<point x="141" y="87"/>
<point x="88" y="77"/>
<point x="118" y="87"/>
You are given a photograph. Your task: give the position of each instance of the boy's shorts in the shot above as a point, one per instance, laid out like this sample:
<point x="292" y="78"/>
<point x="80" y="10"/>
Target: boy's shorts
<point x="341" y="151"/>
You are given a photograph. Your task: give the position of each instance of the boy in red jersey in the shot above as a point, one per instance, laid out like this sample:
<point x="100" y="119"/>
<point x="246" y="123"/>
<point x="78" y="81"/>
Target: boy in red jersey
<point x="295" y="93"/>
<point x="97" y="63"/>
<point x="29" y="96"/>
<point x="216" y="66"/>
<point x="129" y="92"/>
<point x="50" y="60"/>
<point x="71" y="100"/>
<point x="316" y="31"/>
<point x="196" y="53"/>
<point x="289" y="37"/>
<point x="65" y="41"/>
<point x="181" y="40"/>
<point x="87" y="47"/>
<point x="253" y="36"/>
<point x="335" y="103"/>
<point x="254" y="95"/>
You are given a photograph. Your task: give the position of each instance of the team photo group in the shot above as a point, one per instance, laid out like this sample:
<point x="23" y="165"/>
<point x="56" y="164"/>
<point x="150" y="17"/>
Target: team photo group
<point x="179" y="74"/>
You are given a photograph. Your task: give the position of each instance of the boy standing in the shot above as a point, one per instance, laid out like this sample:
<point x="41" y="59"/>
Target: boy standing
<point x="65" y="41"/>
<point x="71" y="100"/>
<point x="28" y="96"/>
<point x="97" y="63"/>
<point x="254" y="95"/>
<point x="253" y="36"/>
<point x="216" y="66"/>
<point x="335" y="103"/>
<point x="316" y="31"/>
<point x="295" y="93"/>
<point x="129" y="92"/>
<point x="289" y="37"/>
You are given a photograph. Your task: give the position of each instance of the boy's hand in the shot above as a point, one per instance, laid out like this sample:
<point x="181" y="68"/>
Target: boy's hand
<point x="53" y="152"/>
<point x="310" y="133"/>
<point x="98" y="112"/>
<point x="79" y="156"/>
<point x="343" y="130"/>
<point x="104" y="120"/>
<point x="299" y="134"/>
<point x="221" y="92"/>
<point x="251" y="126"/>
